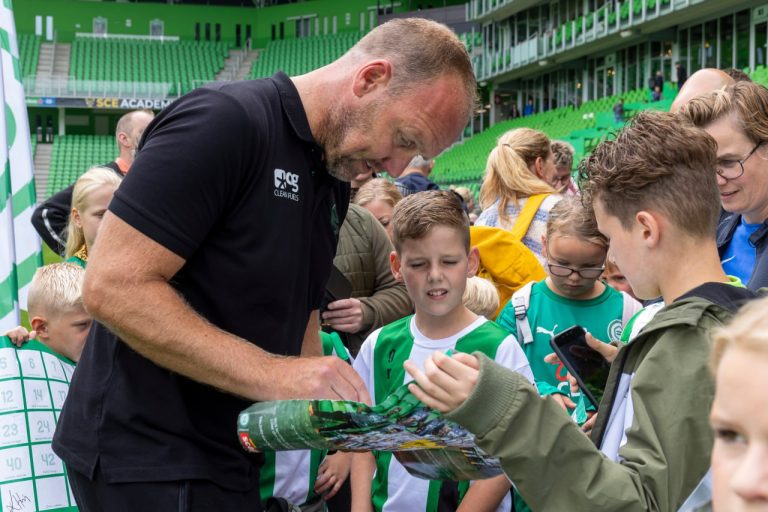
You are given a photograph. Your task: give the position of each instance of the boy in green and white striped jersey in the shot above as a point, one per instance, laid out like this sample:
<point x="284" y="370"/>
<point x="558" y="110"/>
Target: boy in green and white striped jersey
<point x="434" y="259"/>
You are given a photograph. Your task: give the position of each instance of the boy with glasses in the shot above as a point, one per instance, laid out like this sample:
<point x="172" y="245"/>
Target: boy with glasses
<point x="737" y="118"/>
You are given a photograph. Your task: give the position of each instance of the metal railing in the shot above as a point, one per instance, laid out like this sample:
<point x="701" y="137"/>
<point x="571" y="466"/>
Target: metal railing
<point x="596" y="25"/>
<point x="69" y="87"/>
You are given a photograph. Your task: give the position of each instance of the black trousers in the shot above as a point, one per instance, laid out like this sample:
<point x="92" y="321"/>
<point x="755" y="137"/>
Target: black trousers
<point x="176" y="496"/>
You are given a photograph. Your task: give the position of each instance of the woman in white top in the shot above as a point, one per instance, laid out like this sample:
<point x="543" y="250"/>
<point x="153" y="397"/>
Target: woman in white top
<point x="520" y="166"/>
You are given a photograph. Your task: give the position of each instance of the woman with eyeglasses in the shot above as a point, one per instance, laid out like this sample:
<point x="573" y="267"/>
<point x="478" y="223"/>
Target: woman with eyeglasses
<point x="737" y="118"/>
<point x="518" y="173"/>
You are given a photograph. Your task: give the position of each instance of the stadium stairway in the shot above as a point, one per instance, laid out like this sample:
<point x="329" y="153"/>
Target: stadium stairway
<point x="42" y="163"/>
<point x="53" y="62"/>
<point x="238" y="65"/>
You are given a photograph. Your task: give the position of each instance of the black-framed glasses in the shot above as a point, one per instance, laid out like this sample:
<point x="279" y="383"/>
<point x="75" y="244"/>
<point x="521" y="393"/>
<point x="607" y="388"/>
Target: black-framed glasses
<point x="732" y="169"/>
<point x="585" y="273"/>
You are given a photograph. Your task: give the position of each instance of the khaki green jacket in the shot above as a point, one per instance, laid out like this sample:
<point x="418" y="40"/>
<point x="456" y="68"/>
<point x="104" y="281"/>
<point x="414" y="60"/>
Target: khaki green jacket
<point x="652" y="429"/>
<point x="363" y="257"/>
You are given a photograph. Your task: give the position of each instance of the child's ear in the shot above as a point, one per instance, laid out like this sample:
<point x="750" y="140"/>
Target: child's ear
<point x="544" y="246"/>
<point x="40" y="326"/>
<point x="76" y="218"/>
<point x="394" y="263"/>
<point x="649" y="226"/>
<point x="473" y="260"/>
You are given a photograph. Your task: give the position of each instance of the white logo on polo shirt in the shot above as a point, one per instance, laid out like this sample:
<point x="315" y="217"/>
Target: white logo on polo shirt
<point x="286" y="185"/>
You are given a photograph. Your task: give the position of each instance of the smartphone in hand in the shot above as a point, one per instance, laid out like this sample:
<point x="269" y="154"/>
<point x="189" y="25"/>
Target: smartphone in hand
<point x="587" y="365"/>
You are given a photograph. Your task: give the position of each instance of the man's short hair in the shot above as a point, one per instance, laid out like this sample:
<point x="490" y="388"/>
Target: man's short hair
<point x="422" y="51"/>
<point x="658" y="162"/>
<point x="125" y="123"/>
<point x="55" y="289"/>
<point x="748" y="100"/>
<point x="737" y="75"/>
<point x="417" y="214"/>
<point x="563" y="153"/>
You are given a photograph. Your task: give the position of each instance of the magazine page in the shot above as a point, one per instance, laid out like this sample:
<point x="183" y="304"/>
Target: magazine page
<point x="426" y="443"/>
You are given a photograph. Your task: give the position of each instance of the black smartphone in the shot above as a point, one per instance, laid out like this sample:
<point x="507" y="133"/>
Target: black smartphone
<point x="338" y="286"/>
<point x="587" y="366"/>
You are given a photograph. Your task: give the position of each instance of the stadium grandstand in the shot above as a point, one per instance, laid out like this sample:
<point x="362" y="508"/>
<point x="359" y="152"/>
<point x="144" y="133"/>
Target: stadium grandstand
<point x="564" y="64"/>
<point x="577" y="70"/>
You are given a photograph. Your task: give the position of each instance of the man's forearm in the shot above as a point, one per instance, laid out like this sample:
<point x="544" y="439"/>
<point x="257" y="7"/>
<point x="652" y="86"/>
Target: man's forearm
<point x="127" y="289"/>
<point x="156" y="322"/>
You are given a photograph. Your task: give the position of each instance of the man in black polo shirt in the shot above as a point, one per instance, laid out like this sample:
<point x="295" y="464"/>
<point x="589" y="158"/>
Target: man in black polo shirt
<point x="211" y="263"/>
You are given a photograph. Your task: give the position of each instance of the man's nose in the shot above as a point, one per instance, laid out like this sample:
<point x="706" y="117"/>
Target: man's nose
<point x="395" y="165"/>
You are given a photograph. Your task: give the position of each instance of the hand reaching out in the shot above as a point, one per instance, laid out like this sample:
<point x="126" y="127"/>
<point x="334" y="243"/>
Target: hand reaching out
<point x="446" y="382"/>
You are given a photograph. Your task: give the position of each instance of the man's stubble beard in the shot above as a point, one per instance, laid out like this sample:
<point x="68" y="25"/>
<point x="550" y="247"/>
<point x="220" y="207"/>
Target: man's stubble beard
<point x="334" y="130"/>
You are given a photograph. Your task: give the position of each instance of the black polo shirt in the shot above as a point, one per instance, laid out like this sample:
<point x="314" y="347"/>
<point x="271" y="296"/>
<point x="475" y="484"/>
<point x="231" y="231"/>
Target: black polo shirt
<point x="230" y="179"/>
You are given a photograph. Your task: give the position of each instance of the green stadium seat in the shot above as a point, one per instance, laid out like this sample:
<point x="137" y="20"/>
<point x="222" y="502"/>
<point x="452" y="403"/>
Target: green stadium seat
<point x="299" y="56"/>
<point x="74" y="154"/>
<point x="181" y="63"/>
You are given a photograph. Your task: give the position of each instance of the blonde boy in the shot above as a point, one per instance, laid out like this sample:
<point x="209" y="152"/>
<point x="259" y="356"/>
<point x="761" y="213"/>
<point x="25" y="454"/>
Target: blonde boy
<point x="56" y="311"/>
<point x="655" y="197"/>
<point x="481" y="297"/>
<point x="34" y="383"/>
<point x="433" y="258"/>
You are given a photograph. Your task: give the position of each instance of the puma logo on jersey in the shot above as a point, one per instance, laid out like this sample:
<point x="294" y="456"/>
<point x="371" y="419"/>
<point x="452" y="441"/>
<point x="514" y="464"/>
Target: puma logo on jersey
<point x="541" y="330"/>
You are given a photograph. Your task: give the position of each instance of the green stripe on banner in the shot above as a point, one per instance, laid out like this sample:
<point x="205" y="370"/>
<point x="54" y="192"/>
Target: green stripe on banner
<point x="10" y="126"/>
<point x="9" y="295"/>
<point x="23" y="199"/>
<point x="5" y="187"/>
<point x="5" y="40"/>
<point x="26" y="269"/>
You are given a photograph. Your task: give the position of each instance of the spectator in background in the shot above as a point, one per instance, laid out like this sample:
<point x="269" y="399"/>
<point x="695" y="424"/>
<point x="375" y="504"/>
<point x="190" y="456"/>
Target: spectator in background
<point x="737" y="118"/>
<point x="469" y="201"/>
<point x="529" y="108"/>
<point x="519" y="169"/>
<point x="514" y="112"/>
<point x="658" y="81"/>
<point x="50" y="218"/>
<point x="563" y="181"/>
<point x="618" y="111"/>
<point x="379" y="197"/>
<point x="737" y="75"/>
<point x="656" y="95"/>
<point x="415" y="177"/>
<point x="682" y="74"/>
<point x="362" y="255"/>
